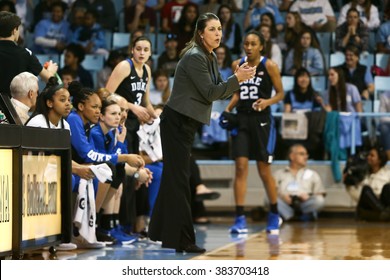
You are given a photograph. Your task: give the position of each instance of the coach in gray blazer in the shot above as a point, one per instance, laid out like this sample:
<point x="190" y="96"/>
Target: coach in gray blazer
<point x="196" y="85"/>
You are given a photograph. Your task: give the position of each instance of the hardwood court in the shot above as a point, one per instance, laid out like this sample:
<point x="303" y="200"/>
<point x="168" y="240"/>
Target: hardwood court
<point x="326" y="239"/>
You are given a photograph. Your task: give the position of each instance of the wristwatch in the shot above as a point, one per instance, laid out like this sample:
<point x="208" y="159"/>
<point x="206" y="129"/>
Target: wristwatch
<point x="136" y="175"/>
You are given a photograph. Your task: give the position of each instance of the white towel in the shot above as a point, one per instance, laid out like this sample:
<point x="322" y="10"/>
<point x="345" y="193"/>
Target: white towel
<point x="102" y="172"/>
<point x="85" y="213"/>
<point x="150" y="139"/>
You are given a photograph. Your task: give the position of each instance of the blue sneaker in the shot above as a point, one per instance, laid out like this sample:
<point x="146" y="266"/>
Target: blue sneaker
<point x="239" y="225"/>
<point x="121" y="237"/>
<point x="274" y="222"/>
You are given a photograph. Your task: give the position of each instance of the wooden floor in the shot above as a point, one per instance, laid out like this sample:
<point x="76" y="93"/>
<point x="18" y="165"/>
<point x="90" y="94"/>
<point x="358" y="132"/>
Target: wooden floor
<point x="326" y="239"/>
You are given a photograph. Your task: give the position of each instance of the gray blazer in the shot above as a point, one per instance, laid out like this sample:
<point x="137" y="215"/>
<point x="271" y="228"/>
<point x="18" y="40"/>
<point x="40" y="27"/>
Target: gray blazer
<point x="197" y="84"/>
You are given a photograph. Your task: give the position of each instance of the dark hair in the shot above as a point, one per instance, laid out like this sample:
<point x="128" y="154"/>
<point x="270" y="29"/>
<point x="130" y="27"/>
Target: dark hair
<point x="47" y="93"/>
<point x="77" y="51"/>
<point x="8" y="22"/>
<point x="274" y="31"/>
<point x="338" y="92"/>
<point x="267" y="47"/>
<point x="58" y="3"/>
<point x="352" y="48"/>
<point x="181" y="24"/>
<point x="258" y="34"/>
<point x="309" y="94"/>
<point x="92" y="12"/>
<point x="352" y="9"/>
<point x="7" y="4"/>
<point x="228" y="57"/>
<point x="230" y="23"/>
<point x="142" y="38"/>
<point x="79" y="93"/>
<point x="381" y="154"/>
<point x="196" y="40"/>
<point x="106" y="103"/>
<point x="68" y="71"/>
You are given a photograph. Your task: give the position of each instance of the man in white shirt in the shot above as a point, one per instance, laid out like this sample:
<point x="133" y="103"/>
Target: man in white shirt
<point x="300" y="189"/>
<point x="24" y="91"/>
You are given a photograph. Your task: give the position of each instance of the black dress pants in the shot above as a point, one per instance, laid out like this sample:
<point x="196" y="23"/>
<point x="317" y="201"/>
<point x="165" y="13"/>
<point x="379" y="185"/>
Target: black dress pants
<point x="171" y="220"/>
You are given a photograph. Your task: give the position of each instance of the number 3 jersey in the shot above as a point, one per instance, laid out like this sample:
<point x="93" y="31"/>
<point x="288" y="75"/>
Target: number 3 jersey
<point x="258" y="87"/>
<point x="133" y="87"/>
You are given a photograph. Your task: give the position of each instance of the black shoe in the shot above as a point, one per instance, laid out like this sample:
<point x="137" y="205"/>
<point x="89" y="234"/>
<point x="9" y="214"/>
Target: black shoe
<point x="102" y="236"/>
<point x="191" y="248"/>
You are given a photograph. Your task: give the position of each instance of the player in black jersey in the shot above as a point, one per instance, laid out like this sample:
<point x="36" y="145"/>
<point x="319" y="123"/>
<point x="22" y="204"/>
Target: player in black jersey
<point x="256" y="134"/>
<point x="131" y="79"/>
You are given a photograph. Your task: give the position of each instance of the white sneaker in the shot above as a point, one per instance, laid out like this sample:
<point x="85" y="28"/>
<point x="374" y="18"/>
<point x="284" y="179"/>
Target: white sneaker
<point x="66" y="247"/>
<point x="84" y="244"/>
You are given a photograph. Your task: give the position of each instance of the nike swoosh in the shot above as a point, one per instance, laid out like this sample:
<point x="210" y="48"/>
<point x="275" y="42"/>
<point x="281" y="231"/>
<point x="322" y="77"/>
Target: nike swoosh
<point x="263" y="124"/>
<point x="132" y="77"/>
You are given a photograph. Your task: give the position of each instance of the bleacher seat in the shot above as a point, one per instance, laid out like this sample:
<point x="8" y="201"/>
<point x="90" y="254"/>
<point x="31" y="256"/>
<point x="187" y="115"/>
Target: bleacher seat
<point x="381" y="60"/>
<point x="319" y="83"/>
<point x="120" y="40"/>
<point x="336" y="59"/>
<point x="367" y="59"/>
<point x="159" y="47"/>
<point x="108" y="39"/>
<point x="288" y="83"/>
<point x="381" y="84"/>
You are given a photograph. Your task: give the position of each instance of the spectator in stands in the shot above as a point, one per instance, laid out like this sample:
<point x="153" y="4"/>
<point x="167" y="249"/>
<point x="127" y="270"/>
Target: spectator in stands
<point x="43" y="11"/>
<point x="231" y="30"/>
<point x="224" y="60"/>
<point x="74" y="56"/>
<point x="91" y="35"/>
<point x="105" y="9"/>
<point x="210" y="6"/>
<point x="161" y="91"/>
<point x="140" y="16"/>
<point x="373" y="193"/>
<point x="256" y="9"/>
<point x="301" y="193"/>
<point x="368" y="13"/>
<point x="154" y="4"/>
<point x="255" y="138"/>
<point x="76" y="17"/>
<point x="168" y="60"/>
<point x="318" y="14"/>
<point x="358" y="74"/>
<point x="303" y="97"/>
<point x="52" y="35"/>
<point x="269" y="19"/>
<point x="305" y="55"/>
<point x="170" y="14"/>
<point x="342" y="96"/>
<point x="352" y="31"/>
<point x="24" y="91"/>
<point x="383" y="37"/>
<point x="294" y="28"/>
<point x="185" y="27"/>
<point x="15" y="59"/>
<point x="113" y="59"/>
<point x="384" y="126"/>
<point x="271" y="50"/>
<point x="68" y="76"/>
